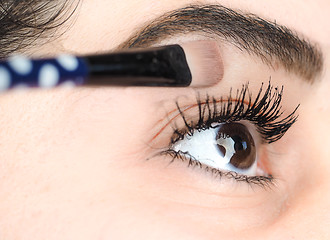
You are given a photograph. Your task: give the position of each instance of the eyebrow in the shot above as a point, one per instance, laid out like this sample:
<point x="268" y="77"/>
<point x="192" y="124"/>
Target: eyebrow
<point x="274" y="44"/>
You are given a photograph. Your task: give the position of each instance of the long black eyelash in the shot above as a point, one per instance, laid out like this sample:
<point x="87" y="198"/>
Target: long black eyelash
<point x="263" y="181"/>
<point x="264" y="111"/>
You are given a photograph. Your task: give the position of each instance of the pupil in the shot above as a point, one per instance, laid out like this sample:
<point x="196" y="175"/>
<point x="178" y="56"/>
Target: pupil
<point x="239" y="143"/>
<point x="236" y="143"/>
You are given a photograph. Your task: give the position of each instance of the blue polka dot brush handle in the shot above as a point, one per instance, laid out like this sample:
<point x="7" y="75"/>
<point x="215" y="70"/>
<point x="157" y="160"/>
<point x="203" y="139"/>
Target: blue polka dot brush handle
<point x="162" y="66"/>
<point x="20" y="71"/>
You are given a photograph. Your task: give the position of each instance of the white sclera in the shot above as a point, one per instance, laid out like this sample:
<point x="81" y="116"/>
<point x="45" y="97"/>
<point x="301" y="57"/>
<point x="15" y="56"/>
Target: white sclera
<point x="203" y="147"/>
<point x="21" y="65"/>
<point x="68" y="62"/>
<point x="5" y="79"/>
<point x="48" y="76"/>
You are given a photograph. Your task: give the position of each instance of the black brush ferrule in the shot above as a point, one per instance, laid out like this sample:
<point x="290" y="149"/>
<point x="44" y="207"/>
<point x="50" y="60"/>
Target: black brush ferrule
<point x="160" y="66"/>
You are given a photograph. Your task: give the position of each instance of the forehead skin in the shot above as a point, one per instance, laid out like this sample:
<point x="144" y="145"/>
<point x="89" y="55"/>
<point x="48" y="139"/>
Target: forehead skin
<point x="79" y="190"/>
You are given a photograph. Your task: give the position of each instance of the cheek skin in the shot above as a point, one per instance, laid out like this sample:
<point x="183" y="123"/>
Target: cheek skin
<point x="154" y="197"/>
<point x="64" y="156"/>
<point x="173" y="197"/>
<point x="51" y="175"/>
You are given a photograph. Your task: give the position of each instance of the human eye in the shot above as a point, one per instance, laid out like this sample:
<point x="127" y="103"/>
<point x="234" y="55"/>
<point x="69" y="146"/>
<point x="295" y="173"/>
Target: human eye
<point x="230" y="135"/>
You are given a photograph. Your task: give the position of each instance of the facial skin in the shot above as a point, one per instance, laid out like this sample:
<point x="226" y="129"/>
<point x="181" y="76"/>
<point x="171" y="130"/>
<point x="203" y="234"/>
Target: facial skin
<point x="80" y="163"/>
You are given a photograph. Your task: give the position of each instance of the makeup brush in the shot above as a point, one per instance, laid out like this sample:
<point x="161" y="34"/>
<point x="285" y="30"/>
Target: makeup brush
<point x="195" y="64"/>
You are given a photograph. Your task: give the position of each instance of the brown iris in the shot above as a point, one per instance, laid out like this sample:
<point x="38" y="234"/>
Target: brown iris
<point x="236" y="143"/>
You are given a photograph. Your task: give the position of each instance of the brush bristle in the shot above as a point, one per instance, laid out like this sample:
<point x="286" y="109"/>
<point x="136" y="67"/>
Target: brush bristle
<point x="205" y="62"/>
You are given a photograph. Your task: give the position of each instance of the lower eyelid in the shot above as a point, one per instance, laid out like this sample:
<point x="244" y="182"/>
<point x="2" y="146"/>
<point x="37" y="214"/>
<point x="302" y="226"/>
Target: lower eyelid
<point x="225" y="177"/>
<point x="264" y="180"/>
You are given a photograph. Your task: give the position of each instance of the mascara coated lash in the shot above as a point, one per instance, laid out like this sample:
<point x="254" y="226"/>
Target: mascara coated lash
<point x="265" y="112"/>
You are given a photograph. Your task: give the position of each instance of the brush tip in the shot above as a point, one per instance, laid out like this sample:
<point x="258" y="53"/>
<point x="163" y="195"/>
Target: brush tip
<point x="205" y="62"/>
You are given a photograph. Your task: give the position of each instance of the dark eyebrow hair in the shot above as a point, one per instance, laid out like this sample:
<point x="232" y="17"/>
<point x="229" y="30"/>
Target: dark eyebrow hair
<point x="273" y="43"/>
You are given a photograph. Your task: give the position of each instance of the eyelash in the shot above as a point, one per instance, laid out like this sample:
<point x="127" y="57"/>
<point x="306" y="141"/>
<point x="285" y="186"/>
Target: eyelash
<point x="263" y="181"/>
<point x="264" y="112"/>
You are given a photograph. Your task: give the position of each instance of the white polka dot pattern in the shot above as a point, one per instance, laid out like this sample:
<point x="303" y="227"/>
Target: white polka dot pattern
<point x="68" y="62"/>
<point x="21" y="64"/>
<point x="21" y="72"/>
<point x="48" y="76"/>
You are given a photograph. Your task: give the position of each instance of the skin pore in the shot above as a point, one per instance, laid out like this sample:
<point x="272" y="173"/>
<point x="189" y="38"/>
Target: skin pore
<point x="82" y="163"/>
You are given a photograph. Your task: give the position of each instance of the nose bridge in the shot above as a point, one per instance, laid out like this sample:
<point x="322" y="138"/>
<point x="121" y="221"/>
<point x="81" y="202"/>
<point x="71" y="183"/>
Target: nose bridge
<point x="306" y="214"/>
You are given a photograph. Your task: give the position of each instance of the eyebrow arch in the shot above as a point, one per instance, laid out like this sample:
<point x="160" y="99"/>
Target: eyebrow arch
<point x="274" y="44"/>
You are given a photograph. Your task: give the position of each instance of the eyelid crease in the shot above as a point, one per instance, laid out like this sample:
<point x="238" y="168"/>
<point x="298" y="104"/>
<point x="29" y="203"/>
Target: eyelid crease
<point x="186" y="108"/>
